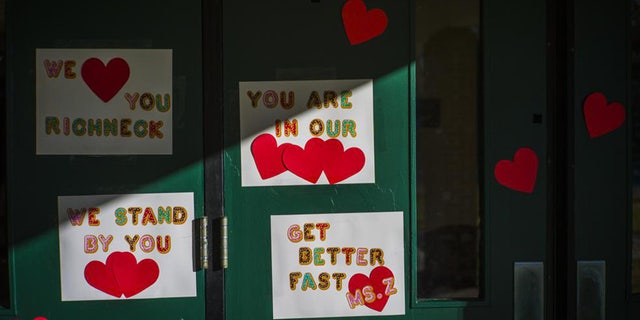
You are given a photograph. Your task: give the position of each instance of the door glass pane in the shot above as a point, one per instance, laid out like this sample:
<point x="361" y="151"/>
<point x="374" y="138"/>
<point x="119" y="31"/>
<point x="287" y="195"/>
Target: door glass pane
<point x="635" y="147"/>
<point x="447" y="143"/>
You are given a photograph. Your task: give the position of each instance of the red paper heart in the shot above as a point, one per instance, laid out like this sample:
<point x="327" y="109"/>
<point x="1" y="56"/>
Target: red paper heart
<point x="268" y="155"/>
<point x="305" y="163"/>
<point x="132" y="276"/>
<point x="362" y="25"/>
<point x="100" y="277"/>
<point x="600" y="117"/>
<point x="340" y="164"/>
<point x="105" y="81"/>
<point x="375" y="280"/>
<point x="519" y="174"/>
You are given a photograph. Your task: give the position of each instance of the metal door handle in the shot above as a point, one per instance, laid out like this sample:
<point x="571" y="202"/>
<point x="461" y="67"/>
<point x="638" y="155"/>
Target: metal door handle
<point x="528" y="289"/>
<point x="591" y="287"/>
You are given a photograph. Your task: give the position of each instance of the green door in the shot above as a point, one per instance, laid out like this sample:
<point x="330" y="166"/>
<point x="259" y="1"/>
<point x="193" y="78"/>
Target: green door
<point x="509" y="208"/>
<point x="443" y="116"/>
<point x="68" y="206"/>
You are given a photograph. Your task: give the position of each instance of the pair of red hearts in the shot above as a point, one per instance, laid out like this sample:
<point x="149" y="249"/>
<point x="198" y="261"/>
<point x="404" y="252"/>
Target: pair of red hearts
<point x="122" y="274"/>
<point x="317" y="156"/>
<point x="600" y="118"/>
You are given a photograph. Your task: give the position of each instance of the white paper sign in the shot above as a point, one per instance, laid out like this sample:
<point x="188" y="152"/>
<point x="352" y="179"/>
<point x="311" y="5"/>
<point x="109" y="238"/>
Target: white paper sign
<point x="307" y="132"/>
<point x="104" y="101"/>
<point x="135" y="246"/>
<point x="337" y="265"/>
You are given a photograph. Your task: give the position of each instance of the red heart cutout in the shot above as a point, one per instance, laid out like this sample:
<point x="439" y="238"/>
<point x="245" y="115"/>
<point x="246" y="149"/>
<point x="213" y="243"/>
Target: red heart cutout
<point x="340" y="164"/>
<point x="519" y="174"/>
<point x="132" y="276"/>
<point x="100" y="277"/>
<point x="268" y="155"/>
<point x="372" y="287"/>
<point x="305" y="163"/>
<point x="362" y="25"/>
<point x="105" y="81"/>
<point x="600" y="117"/>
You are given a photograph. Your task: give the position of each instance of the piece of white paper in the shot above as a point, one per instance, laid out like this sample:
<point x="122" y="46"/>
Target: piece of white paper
<point x="291" y="113"/>
<point x="322" y="265"/>
<point x="104" y="101"/>
<point x="95" y="228"/>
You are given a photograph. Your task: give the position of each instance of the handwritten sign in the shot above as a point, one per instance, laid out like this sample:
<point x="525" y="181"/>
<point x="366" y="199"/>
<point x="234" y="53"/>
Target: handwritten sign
<point x="307" y="132"/>
<point x="104" y="101"/>
<point x="337" y="265"/>
<point x="136" y="246"/>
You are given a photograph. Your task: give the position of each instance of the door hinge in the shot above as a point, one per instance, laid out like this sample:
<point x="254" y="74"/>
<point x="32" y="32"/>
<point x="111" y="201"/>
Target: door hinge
<point x="202" y="250"/>
<point x="202" y="237"/>
<point x="224" y="257"/>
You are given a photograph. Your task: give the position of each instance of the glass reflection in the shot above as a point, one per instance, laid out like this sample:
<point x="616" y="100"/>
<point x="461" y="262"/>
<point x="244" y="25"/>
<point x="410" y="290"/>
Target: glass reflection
<point x="447" y="143"/>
